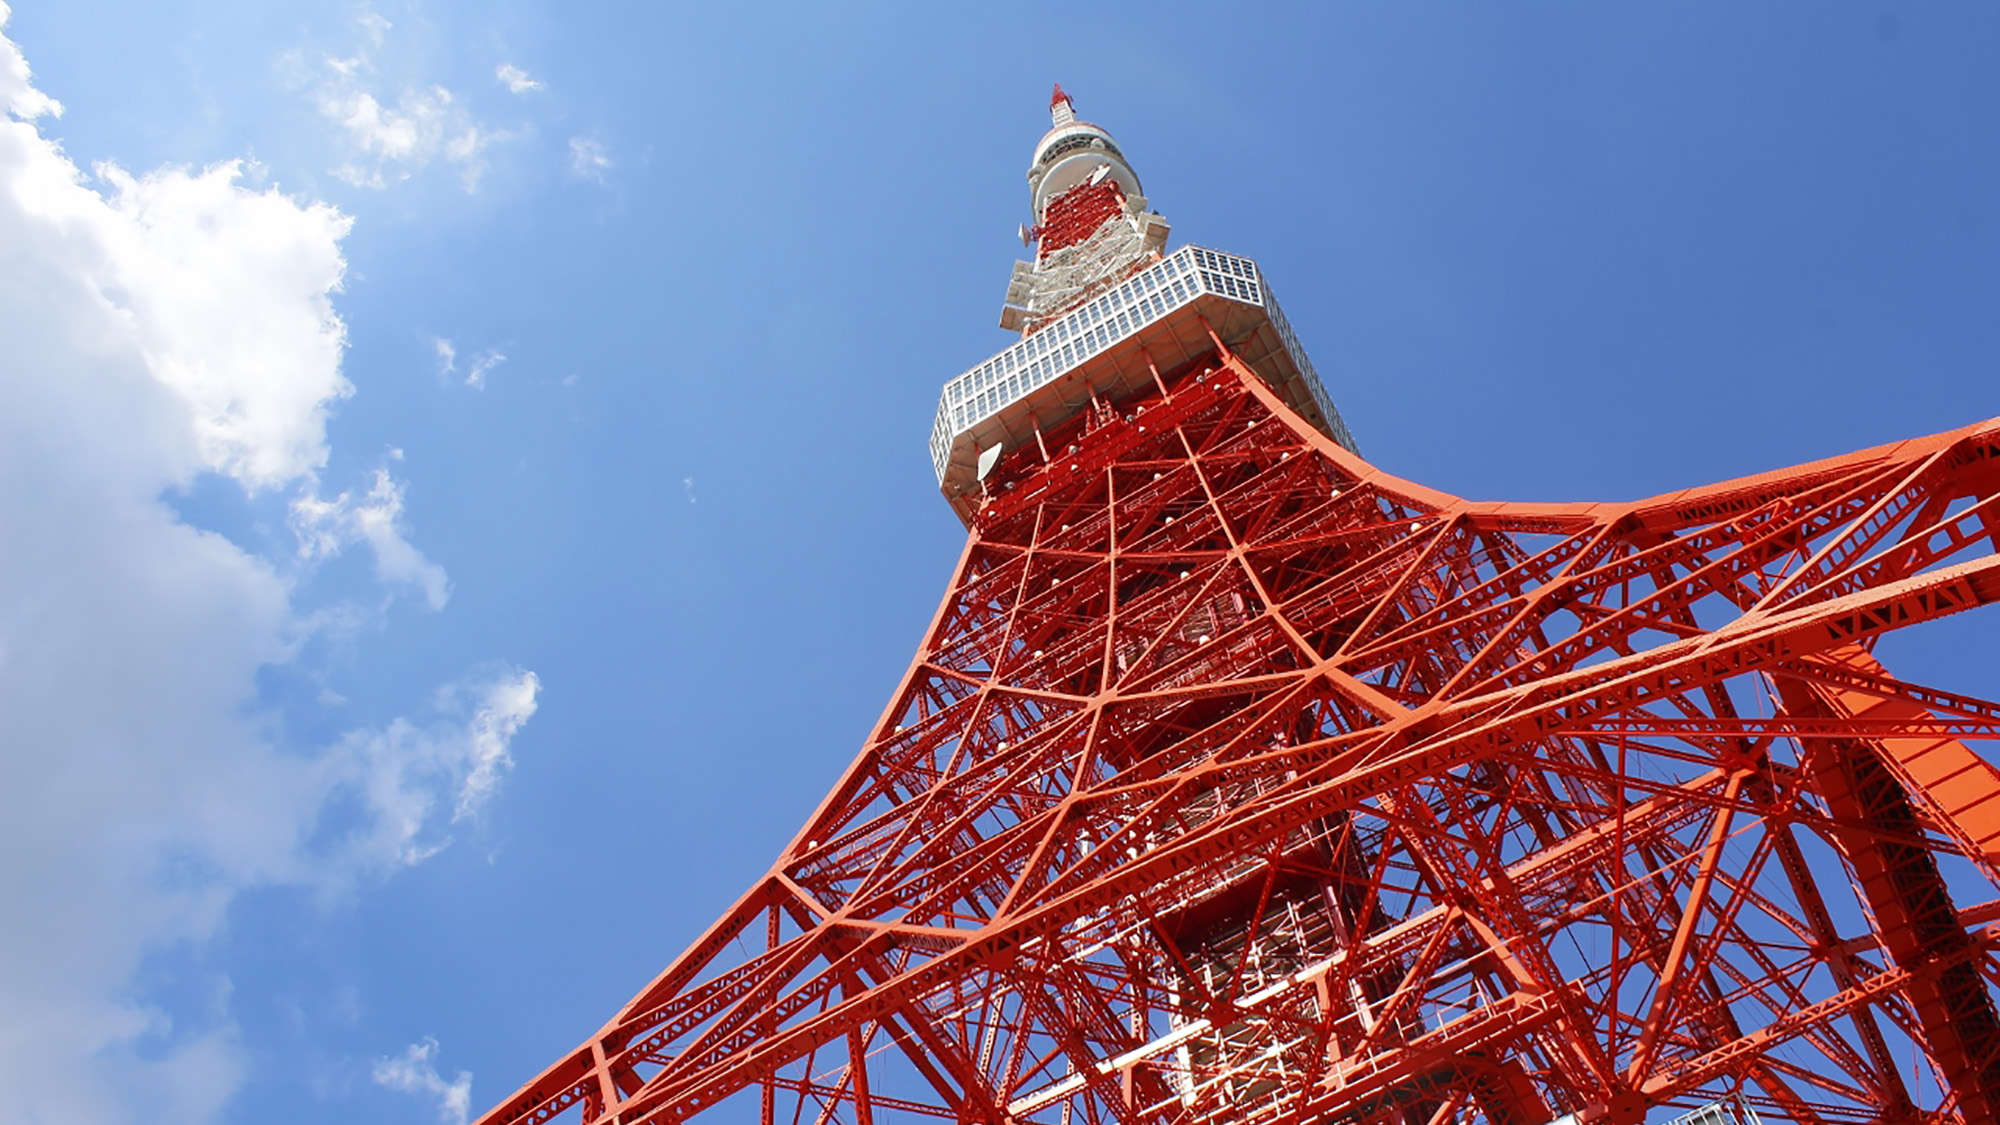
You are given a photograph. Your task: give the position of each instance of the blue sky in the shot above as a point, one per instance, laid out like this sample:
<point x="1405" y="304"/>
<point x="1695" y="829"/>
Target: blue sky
<point x="444" y="562"/>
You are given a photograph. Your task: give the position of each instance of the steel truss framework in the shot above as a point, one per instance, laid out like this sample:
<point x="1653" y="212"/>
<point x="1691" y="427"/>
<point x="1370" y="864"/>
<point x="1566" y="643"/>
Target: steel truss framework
<point x="1239" y="781"/>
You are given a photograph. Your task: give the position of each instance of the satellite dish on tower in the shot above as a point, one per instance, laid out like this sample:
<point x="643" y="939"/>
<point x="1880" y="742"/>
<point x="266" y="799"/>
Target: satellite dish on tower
<point x="988" y="458"/>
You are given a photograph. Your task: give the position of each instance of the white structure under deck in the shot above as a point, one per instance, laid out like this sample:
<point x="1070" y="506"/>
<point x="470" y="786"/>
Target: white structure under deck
<point x="1104" y="346"/>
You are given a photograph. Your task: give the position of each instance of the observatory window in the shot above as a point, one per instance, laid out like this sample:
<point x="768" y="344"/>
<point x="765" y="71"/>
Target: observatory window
<point x="1077" y="141"/>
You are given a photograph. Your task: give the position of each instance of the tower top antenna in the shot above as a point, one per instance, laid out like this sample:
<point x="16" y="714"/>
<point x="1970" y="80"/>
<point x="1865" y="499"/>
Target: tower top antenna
<point x="1062" y="111"/>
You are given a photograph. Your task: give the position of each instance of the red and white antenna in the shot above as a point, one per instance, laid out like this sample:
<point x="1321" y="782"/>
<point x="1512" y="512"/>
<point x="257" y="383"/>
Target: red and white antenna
<point x="1091" y="225"/>
<point x="1061" y="110"/>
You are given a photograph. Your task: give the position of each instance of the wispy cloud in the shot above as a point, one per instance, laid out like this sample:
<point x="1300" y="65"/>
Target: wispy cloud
<point x="516" y="79"/>
<point x="373" y="25"/>
<point x="475" y="377"/>
<point x="405" y="777"/>
<point x="588" y="159"/>
<point x="415" y="1072"/>
<point x="447" y="355"/>
<point x="687" y="488"/>
<point x="389" y="139"/>
<point x="327" y="527"/>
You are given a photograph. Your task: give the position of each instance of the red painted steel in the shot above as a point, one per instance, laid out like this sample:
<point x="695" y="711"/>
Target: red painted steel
<point x="1076" y="214"/>
<point x="1237" y="780"/>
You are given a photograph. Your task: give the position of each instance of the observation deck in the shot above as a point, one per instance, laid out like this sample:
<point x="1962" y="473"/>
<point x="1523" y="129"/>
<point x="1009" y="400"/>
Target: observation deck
<point x="1159" y="318"/>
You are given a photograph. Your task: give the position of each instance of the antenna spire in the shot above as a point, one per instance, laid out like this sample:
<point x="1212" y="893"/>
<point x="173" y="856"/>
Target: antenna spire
<point x="1061" y="110"/>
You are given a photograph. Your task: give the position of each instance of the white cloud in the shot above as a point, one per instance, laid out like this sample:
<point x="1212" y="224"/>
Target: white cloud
<point x="20" y="96"/>
<point x="162" y="329"/>
<point x="475" y="375"/>
<point x="405" y="776"/>
<point x="228" y="295"/>
<point x="687" y="487"/>
<point x="506" y="703"/>
<point x="588" y="160"/>
<point x="393" y="142"/>
<point x="487" y="360"/>
<point x="447" y="355"/>
<point x="327" y="527"/>
<point x="414" y="1072"/>
<point x="388" y="142"/>
<point x="373" y="25"/>
<point x="463" y="150"/>
<point x="516" y="79"/>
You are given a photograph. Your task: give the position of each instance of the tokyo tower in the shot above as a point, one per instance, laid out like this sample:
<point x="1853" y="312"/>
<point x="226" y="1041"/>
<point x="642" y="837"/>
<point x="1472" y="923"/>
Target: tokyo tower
<point x="1237" y="781"/>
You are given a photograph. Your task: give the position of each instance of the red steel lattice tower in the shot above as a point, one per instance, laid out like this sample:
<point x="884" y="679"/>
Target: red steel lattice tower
<point x="1238" y="781"/>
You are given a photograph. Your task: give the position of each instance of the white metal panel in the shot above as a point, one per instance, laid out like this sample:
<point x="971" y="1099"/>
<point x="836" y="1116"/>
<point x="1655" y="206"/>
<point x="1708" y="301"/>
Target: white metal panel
<point x="1008" y="383"/>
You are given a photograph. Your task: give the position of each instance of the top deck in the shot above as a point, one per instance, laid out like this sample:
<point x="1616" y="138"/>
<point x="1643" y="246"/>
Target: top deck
<point x="1159" y="317"/>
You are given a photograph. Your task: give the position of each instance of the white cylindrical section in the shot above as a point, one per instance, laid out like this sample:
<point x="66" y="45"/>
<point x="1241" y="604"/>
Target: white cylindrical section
<point x="1070" y="154"/>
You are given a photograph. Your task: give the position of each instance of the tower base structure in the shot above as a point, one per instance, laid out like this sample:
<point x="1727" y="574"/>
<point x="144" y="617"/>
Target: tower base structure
<point x="1237" y="780"/>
